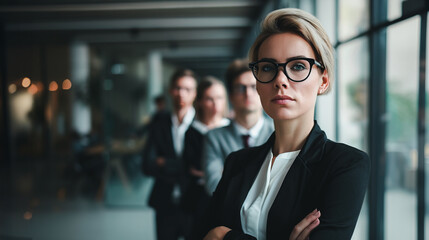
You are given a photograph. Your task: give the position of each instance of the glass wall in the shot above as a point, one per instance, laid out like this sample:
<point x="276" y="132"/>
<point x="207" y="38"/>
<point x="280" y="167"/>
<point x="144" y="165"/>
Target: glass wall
<point x="401" y="133"/>
<point x="402" y="76"/>
<point x="353" y="18"/>
<point x="353" y="75"/>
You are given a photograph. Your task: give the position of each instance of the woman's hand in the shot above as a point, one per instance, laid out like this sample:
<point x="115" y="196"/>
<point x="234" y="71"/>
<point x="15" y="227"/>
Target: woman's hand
<point x="302" y="230"/>
<point x="217" y="233"/>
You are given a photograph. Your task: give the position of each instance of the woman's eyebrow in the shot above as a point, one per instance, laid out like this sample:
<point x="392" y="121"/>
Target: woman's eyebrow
<point x="268" y="59"/>
<point x="294" y="57"/>
<point x="287" y="59"/>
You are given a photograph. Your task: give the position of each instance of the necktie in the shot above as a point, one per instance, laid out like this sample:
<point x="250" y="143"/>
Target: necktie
<point x="245" y="140"/>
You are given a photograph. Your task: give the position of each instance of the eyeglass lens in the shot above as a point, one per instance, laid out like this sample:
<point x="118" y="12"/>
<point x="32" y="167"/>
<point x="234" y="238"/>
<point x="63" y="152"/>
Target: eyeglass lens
<point x="241" y="88"/>
<point x="296" y="70"/>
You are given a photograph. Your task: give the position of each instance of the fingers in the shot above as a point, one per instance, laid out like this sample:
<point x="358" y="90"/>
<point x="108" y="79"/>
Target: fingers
<point x="217" y="233"/>
<point x="306" y="233"/>
<point x="303" y="229"/>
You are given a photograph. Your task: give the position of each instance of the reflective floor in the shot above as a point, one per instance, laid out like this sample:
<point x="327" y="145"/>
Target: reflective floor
<point x="76" y="219"/>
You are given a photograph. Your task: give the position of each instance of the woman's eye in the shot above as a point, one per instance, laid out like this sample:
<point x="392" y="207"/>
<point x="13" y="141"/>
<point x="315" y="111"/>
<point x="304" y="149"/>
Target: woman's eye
<point x="298" y="67"/>
<point x="267" y="68"/>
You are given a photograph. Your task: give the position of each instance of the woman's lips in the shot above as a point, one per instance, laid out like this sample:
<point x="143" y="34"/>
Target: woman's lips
<point x="282" y="99"/>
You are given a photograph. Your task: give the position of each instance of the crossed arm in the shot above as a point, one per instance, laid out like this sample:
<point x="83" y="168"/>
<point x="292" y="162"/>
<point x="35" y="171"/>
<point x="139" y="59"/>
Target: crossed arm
<point x="301" y="231"/>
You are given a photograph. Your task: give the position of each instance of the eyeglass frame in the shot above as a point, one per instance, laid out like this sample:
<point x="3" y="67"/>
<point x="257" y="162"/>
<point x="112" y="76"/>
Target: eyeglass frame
<point x="242" y="88"/>
<point x="311" y="61"/>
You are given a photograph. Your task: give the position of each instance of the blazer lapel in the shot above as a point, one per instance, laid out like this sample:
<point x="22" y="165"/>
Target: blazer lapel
<point x="293" y="185"/>
<point x="169" y="137"/>
<point x="236" y="135"/>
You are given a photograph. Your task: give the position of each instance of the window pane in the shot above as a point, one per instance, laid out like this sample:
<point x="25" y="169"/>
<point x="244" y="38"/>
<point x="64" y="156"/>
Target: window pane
<point x="354" y="18"/>
<point x="394" y="9"/>
<point x="401" y="132"/>
<point x="353" y="75"/>
<point x="326" y="116"/>
<point x="397" y="8"/>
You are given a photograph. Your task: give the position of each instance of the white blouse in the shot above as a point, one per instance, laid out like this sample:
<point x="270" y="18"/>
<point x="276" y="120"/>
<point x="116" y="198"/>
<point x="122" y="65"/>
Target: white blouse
<point x="254" y="212"/>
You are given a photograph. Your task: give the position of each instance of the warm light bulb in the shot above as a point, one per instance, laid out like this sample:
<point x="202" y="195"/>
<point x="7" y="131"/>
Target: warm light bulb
<point x="12" y="88"/>
<point x="67" y="84"/>
<point x="33" y="89"/>
<point x="28" y="215"/>
<point x="26" y="82"/>
<point x="53" y="86"/>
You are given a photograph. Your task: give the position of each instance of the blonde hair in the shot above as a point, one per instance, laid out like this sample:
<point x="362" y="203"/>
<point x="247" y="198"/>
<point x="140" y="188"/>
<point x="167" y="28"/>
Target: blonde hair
<point x="303" y="24"/>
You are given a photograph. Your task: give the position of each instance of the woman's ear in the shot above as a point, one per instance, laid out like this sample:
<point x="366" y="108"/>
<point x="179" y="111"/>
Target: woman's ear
<point x="324" y="83"/>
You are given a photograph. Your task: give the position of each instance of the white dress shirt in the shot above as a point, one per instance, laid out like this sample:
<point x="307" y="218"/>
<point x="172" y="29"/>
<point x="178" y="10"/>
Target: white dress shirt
<point x="253" y="132"/>
<point x="178" y="130"/>
<point x="254" y="211"/>
<point x="203" y="129"/>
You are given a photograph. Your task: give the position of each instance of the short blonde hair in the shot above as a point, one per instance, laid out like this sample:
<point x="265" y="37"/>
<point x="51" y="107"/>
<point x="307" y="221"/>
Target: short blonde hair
<point x="303" y="24"/>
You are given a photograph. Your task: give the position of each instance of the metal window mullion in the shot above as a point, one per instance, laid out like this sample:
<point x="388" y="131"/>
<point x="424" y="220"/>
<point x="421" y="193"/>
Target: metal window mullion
<point x="377" y="119"/>
<point x="421" y="134"/>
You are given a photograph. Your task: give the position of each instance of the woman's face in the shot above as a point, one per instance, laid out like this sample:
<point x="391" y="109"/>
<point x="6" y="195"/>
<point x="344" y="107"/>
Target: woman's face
<point x="283" y="99"/>
<point x="213" y="101"/>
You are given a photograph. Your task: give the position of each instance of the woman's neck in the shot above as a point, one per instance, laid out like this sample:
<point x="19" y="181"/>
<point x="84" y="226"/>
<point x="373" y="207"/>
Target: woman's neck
<point x="291" y="135"/>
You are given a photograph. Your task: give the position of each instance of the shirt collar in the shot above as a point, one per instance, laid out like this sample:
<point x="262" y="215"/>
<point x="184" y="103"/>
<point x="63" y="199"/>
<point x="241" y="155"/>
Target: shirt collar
<point x="203" y="129"/>
<point x="187" y="120"/>
<point x="253" y="131"/>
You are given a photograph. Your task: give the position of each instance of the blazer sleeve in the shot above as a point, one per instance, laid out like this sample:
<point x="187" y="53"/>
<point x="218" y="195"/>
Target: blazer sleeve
<point x="343" y="195"/>
<point x="156" y="147"/>
<point x="149" y="166"/>
<point x="212" y="163"/>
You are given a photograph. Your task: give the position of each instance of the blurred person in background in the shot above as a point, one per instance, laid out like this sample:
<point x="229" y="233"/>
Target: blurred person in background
<point x="211" y="108"/>
<point x="162" y="157"/>
<point x="248" y="128"/>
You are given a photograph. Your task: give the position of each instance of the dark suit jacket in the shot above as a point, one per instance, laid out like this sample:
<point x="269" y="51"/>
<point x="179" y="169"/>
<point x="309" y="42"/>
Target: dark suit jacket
<point x="219" y="143"/>
<point x="160" y="144"/>
<point x="329" y="176"/>
<point x="195" y="199"/>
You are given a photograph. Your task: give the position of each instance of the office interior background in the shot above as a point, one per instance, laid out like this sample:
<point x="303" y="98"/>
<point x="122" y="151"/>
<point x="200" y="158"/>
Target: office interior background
<point x="78" y="78"/>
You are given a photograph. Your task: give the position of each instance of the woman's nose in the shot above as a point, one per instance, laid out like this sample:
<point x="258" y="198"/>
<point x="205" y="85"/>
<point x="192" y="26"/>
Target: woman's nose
<point x="281" y="80"/>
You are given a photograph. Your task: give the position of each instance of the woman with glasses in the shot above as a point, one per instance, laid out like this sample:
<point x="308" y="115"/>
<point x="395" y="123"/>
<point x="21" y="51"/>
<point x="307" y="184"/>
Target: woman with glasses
<point x="299" y="184"/>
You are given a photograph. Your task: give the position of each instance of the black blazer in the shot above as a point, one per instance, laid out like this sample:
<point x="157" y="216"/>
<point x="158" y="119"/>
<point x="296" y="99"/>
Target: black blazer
<point x="159" y="143"/>
<point x="195" y="199"/>
<point x="329" y="176"/>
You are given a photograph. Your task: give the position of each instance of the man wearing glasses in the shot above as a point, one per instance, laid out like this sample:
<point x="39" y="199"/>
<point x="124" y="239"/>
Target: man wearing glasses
<point x="162" y="157"/>
<point x="248" y="128"/>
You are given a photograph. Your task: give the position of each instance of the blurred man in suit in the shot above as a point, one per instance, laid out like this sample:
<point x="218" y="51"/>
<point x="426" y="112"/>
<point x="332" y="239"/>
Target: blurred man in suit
<point x="248" y="128"/>
<point x="163" y="157"/>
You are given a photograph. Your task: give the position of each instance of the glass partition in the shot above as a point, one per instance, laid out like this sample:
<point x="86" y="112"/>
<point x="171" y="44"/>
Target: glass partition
<point x="353" y="19"/>
<point x="401" y="130"/>
<point x="352" y="82"/>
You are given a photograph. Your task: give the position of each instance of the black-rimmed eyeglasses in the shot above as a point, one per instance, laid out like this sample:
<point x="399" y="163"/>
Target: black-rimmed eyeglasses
<point x="296" y="69"/>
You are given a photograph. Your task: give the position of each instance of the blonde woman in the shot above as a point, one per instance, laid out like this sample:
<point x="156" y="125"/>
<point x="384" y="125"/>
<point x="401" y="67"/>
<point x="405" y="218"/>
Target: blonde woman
<point x="299" y="184"/>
